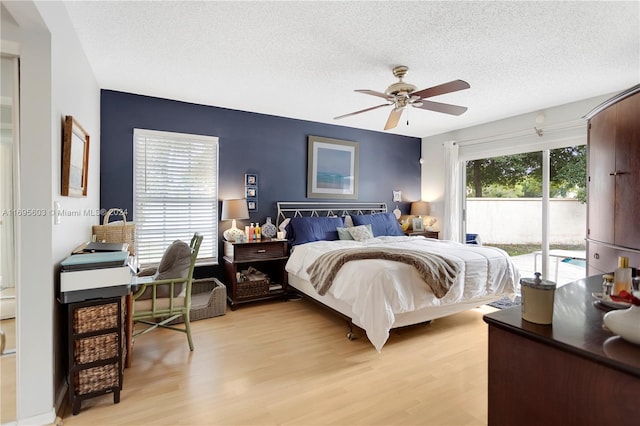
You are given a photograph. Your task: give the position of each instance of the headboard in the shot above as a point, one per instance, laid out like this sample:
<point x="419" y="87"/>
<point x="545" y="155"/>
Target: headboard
<point x="289" y="209"/>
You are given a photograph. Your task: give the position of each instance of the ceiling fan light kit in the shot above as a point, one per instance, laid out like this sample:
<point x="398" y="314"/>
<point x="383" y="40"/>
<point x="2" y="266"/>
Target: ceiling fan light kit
<point x="402" y="94"/>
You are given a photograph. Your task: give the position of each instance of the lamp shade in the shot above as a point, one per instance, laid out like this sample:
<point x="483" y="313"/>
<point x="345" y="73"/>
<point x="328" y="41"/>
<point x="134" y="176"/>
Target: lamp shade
<point x="419" y="208"/>
<point x="234" y="209"/>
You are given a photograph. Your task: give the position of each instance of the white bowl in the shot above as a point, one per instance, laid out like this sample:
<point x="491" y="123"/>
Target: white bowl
<point x="625" y="323"/>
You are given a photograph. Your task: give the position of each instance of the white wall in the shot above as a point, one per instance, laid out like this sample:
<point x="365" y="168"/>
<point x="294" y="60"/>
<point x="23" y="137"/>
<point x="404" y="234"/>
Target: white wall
<point x="519" y="220"/>
<point x="56" y="80"/>
<point x="503" y="137"/>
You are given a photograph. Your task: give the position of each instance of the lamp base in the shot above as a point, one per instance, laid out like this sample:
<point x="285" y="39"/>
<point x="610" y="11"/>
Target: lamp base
<point x="233" y="233"/>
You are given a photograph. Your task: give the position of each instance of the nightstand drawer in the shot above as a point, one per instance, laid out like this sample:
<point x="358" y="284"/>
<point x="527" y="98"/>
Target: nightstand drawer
<point x="241" y="252"/>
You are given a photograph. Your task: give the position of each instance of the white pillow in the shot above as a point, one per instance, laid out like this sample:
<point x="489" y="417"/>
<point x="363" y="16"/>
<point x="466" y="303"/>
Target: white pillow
<point x="361" y="232"/>
<point x="283" y="225"/>
<point x="348" y="221"/>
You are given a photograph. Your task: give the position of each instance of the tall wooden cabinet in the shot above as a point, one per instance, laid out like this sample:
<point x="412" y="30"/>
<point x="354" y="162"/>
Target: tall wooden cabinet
<point x="613" y="228"/>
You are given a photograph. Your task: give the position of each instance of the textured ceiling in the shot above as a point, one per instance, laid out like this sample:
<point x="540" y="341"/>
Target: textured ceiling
<point x="304" y="59"/>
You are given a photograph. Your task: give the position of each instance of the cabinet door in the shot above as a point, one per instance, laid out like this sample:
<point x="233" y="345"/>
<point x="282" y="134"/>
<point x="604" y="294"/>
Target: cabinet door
<point x="601" y="259"/>
<point x="627" y="204"/>
<point x="601" y="184"/>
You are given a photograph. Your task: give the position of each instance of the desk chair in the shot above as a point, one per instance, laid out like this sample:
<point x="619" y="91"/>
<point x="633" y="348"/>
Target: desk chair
<point x="164" y="299"/>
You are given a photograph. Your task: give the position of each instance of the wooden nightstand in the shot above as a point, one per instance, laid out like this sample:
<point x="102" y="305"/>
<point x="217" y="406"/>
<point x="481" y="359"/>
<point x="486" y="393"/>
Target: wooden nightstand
<point x="268" y="256"/>
<point x="426" y="234"/>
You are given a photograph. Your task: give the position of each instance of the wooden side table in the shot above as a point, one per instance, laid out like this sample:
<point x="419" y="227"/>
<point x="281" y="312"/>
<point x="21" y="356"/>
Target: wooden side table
<point x="267" y="256"/>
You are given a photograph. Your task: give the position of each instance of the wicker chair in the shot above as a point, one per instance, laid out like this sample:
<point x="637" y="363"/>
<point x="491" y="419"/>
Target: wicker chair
<point x="158" y="311"/>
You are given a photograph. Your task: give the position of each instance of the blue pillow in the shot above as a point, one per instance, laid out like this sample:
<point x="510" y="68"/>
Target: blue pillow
<point x="302" y="230"/>
<point x="381" y="223"/>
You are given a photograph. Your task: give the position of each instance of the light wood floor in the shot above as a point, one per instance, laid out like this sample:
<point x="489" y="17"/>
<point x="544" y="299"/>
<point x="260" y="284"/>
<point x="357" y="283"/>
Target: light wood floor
<point x="290" y="363"/>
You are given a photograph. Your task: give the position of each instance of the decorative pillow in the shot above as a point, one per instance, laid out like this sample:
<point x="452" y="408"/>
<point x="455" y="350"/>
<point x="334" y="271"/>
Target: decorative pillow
<point x="302" y="230"/>
<point x="344" y="234"/>
<point x="381" y="223"/>
<point x="348" y="221"/>
<point x="175" y="263"/>
<point x="361" y="232"/>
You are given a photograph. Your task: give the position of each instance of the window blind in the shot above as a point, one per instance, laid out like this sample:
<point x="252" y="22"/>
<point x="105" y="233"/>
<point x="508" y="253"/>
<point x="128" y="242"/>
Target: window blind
<point x="175" y="193"/>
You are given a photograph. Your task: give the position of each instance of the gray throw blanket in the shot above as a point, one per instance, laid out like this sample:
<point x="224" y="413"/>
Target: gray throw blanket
<point x="437" y="271"/>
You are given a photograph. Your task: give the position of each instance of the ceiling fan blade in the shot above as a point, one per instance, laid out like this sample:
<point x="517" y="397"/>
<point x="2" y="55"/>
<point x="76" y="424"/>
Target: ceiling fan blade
<point x="361" y="111"/>
<point x="440" y="107"/>
<point x="374" y="93"/>
<point x="393" y="119"/>
<point x="452" y="86"/>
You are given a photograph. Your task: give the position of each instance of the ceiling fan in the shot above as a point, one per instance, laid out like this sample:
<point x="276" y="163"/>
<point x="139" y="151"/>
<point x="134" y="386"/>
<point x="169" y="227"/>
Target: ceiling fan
<point x="402" y="94"/>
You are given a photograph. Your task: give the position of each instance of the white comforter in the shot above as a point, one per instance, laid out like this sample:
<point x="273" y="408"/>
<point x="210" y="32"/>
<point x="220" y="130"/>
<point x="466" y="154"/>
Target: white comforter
<point x="377" y="290"/>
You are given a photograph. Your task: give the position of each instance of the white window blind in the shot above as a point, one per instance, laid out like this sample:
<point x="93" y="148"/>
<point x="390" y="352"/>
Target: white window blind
<point x="175" y="193"/>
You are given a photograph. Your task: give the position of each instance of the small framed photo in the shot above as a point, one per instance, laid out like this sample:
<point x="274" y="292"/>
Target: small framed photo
<point x="252" y="205"/>
<point x="418" y="226"/>
<point x="397" y="196"/>
<point x="250" y="180"/>
<point x="251" y="192"/>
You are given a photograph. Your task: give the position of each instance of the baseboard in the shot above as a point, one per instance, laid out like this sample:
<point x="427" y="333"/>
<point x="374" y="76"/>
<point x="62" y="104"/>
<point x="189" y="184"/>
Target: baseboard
<point x="41" y="419"/>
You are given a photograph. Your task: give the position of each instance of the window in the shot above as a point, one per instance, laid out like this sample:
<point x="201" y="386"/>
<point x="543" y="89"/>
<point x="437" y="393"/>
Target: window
<point x="175" y="193"/>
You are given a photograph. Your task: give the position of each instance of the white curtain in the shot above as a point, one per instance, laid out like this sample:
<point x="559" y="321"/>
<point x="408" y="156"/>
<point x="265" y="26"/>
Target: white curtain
<point x="452" y="189"/>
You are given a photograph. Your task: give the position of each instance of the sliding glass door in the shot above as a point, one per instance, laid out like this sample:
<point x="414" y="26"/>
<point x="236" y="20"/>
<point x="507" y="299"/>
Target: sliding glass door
<point x="532" y="205"/>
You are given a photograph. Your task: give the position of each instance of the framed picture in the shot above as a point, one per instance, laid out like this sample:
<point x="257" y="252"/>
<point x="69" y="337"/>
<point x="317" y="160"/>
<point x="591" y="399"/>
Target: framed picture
<point x="75" y="158"/>
<point x="418" y="226"/>
<point x="251" y="191"/>
<point x="252" y="205"/>
<point x="332" y="168"/>
<point x="250" y="180"/>
<point x="397" y="196"/>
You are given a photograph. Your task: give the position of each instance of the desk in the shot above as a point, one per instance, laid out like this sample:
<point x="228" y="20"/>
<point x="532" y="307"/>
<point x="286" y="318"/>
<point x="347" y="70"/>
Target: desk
<point x="573" y="372"/>
<point x="559" y="254"/>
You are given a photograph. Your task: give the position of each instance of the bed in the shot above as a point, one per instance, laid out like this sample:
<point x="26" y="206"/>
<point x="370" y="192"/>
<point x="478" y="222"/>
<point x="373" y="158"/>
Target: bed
<point x="378" y="295"/>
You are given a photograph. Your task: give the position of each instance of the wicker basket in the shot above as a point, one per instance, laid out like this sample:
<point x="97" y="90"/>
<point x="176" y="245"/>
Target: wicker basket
<point x="96" y="379"/>
<point x="208" y="299"/>
<point x="96" y="348"/>
<point x="116" y="233"/>
<point x="95" y="318"/>
<point x="252" y="288"/>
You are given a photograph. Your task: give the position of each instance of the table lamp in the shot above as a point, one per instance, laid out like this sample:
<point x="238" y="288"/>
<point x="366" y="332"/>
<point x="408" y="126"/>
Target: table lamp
<point x="232" y="210"/>
<point x="419" y="208"/>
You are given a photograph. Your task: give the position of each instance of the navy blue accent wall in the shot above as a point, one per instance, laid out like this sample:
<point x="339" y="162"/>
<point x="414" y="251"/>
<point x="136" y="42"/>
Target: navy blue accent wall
<point x="273" y="148"/>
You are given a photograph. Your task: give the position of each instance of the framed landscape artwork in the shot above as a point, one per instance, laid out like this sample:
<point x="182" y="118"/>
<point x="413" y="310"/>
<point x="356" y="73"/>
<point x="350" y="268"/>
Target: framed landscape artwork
<point x="332" y="168"/>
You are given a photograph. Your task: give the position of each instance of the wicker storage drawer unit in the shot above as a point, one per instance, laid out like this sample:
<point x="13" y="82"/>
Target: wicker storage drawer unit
<point x="96" y="347"/>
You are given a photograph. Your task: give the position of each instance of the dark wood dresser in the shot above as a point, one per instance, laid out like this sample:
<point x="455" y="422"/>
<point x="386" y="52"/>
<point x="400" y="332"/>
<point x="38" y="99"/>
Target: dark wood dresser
<point x="573" y="372"/>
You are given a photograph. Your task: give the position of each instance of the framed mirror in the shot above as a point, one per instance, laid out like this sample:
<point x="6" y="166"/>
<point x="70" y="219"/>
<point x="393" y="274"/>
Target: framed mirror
<point x="75" y="158"/>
